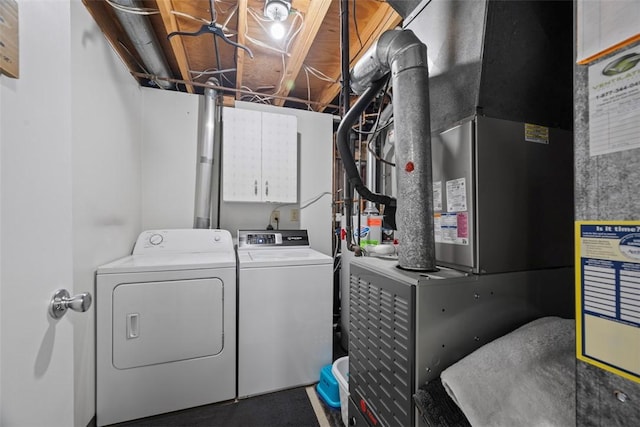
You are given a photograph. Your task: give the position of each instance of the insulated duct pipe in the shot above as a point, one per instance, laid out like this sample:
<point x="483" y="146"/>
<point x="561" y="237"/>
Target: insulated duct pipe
<point x="144" y="40"/>
<point x="210" y="117"/>
<point x="402" y="53"/>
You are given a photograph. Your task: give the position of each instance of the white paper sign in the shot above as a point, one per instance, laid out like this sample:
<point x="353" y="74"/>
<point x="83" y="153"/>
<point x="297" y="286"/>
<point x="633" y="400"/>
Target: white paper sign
<point x="614" y="103"/>
<point x="456" y="195"/>
<point x="605" y="24"/>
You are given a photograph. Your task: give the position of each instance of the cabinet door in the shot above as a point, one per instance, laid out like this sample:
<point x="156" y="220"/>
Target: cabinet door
<point x="279" y="158"/>
<point x="242" y="155"/>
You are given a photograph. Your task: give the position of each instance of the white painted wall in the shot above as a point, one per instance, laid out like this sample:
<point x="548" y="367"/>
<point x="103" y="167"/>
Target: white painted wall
<point x="169" y="158"/>
<point x="169" y="163"/>
<point x="315" y="162"/>
<point x="87" y="161"/>
<point x="107" y="132"/>
<point x="1" y="250"/>
<point x="36" y="221"/>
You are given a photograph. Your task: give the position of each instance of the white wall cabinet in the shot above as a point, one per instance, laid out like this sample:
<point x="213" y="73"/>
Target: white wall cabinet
<point x="259" y="156"/>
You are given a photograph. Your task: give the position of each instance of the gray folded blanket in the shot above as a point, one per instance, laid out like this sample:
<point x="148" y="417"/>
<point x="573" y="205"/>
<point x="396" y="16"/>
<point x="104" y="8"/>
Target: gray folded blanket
<point x="525" y="378"/>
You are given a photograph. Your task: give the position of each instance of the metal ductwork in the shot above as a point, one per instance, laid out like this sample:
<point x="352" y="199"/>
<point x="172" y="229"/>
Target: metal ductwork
<point x="504" y="59"/>
<point x="401" y="53"/>
<point x="405" y="7"/>
<point x="209" y="119"/>
<point x="144" y="40"/>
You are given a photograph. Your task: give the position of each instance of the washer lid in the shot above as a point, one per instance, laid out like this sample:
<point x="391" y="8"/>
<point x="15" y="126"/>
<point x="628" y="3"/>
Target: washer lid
<point x="169" y="262"/>
<point x="282" y="257"/>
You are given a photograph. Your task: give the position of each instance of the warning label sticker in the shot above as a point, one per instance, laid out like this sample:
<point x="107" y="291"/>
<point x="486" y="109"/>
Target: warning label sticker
<point x="451" y="227"/>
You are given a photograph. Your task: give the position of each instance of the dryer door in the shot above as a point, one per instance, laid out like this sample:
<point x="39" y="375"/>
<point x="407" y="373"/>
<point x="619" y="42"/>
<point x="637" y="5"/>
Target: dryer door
<point x="161" y="322"/>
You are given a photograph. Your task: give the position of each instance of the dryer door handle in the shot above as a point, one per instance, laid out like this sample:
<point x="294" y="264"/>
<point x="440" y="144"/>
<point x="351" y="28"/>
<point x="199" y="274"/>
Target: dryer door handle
<point x="133" y="325"/>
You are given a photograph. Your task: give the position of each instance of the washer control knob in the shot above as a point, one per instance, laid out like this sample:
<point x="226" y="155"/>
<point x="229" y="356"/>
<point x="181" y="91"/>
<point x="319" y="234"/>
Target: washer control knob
<point x="156" y="239"/>
<point x="216" y="238"/>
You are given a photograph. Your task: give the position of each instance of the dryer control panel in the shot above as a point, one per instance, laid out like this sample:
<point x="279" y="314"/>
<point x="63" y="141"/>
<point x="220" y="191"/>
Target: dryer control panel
<point x="256" y="239"/>
<point x="183" y="241"/>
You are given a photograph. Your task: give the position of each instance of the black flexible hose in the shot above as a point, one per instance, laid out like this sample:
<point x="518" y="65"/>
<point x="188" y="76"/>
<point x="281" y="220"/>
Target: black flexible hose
<point x="349" y="163"/>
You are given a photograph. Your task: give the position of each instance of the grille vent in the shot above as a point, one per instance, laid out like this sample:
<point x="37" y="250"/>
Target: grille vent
<point x="380" y="350"/>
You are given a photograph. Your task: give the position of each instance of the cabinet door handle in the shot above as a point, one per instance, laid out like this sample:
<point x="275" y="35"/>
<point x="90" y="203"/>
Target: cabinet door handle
<point x="266" y="188"/>
<point x="255" y="187"/>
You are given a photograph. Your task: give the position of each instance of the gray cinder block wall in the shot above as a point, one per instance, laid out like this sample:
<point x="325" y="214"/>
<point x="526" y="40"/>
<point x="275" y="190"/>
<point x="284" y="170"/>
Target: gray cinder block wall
<point x="606" y="188"/>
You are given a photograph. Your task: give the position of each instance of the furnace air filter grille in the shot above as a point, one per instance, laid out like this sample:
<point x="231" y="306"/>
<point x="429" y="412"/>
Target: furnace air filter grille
<point x="381" y="348"/>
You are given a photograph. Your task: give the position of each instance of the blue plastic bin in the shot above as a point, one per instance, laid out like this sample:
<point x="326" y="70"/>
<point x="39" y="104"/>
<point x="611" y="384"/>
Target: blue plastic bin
<point x="328" y="388"/>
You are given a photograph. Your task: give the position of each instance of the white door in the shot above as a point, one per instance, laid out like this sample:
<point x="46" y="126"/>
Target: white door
<point x="37" y="360"/>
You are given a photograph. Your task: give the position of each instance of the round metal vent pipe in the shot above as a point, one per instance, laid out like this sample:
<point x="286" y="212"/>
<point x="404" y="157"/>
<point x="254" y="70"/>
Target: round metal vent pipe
<point x="144" y="40"/>
<point x="210" y="119"/>
<point x="405" y="56"/>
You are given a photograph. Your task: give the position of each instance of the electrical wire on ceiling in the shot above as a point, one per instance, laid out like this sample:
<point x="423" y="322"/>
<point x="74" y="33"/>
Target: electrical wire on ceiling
<point x="230" y="12"/>
<point x="306" y="74"/>
<point x="287" y="40"/>
<point x="355" y="24"/>
<point x="211" y="27"/>
<point x="318" y="74"/>
<point x="227" y="89"/>
<point x="255" y="96"/>
<point x="213" y="72"/>
<point x="133" y="10"/>
<point x="224" y="25"/>
<point x="284" y="49"/>
<point x="233" y="5"/>
<point x="186" y="15"/>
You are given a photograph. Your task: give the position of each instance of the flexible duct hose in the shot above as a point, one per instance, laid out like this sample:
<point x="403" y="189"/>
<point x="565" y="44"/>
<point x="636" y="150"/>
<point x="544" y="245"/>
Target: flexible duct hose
<point x="349" y="163"/>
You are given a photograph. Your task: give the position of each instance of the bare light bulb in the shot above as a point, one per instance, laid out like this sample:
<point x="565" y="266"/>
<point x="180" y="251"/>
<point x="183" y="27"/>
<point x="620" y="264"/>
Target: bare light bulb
<point x="277" y="30"/>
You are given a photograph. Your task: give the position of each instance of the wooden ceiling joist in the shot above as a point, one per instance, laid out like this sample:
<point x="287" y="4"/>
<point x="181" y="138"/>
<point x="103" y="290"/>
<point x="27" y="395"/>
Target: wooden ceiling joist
<point x="306" y="76"/>
<point x="240" y="53"/>
<point x="169" y="19"/>
<point x="313" y="22"/>
<point x="384" y="19"/>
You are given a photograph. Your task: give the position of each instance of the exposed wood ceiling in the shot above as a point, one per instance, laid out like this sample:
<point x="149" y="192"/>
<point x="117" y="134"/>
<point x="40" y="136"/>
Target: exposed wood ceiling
<point x="301" y="71"/>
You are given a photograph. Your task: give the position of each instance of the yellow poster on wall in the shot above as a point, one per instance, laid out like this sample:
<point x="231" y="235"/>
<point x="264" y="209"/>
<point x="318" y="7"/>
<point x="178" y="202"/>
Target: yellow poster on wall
<point x="608" y="295"/>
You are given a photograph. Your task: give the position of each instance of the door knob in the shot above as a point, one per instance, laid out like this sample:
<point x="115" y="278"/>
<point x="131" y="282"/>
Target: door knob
<point x="61" y="302"/>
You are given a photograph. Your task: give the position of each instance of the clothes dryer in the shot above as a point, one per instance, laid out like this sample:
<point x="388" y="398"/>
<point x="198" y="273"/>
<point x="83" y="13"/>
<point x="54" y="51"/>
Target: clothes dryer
<point x="166" y="325"/>
<point x="285" y="311"/>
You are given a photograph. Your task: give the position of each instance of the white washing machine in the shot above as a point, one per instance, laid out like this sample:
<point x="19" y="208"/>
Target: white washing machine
<point x="285" y="311"/>
<point x="166" y="325"/>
